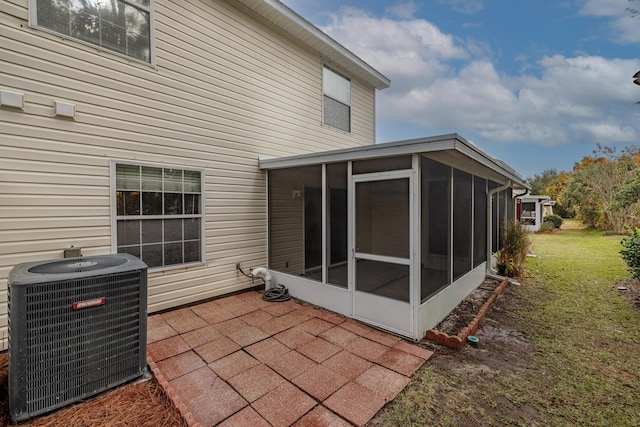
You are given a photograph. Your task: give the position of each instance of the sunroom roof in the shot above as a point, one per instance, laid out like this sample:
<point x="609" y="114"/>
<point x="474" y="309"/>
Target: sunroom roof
<point x="451" y="149"/>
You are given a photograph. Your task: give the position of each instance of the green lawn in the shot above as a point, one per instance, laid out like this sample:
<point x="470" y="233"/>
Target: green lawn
<point x="583" y="366"/>
<point x="587" y="337"/>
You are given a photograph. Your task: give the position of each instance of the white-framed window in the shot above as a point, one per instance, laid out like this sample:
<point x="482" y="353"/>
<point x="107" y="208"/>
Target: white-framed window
<point x="158" y="213"/>
<point x="120" y="26"/>
<point x="336" y="91"/>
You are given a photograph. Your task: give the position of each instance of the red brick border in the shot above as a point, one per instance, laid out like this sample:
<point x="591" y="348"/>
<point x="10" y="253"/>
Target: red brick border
<point x="458" y="341"/>
<point x="172" y="395"/>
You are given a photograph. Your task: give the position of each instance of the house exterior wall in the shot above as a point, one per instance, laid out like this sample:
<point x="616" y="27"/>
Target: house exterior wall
<point x="287" y="219"/>
<point x="225" y="89"/>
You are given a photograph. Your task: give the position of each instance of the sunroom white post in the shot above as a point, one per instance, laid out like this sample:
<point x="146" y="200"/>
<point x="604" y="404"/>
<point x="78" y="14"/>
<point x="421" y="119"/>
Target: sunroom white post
<point x="450" y="249"/>
<point x="415" y="240"/>
<point x="473" y="223"/>
<point x="351" y="217"/>
<point x="325" y="234"/>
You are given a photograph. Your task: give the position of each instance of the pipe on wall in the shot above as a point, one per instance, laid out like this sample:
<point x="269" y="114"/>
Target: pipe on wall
<point x="490" y="195"/>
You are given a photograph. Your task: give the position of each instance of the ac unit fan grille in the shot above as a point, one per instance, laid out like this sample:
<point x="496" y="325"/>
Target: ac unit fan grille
<point x="68" y="354"/>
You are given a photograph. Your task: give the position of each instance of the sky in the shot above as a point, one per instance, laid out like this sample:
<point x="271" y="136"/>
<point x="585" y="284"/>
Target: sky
<point x="537" y="84"/>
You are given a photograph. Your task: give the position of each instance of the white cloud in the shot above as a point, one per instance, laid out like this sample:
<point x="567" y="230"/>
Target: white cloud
<point x="444" y="84"/>
<point x="629" y="29"/>
<point x="468" y="7"/>
<point x="415" y="51"/>
<point x="605" y="131"/>
<point x="624" y="28"/>
<point x="604" y="7"/>
<point x="403" y="10"/>
<point x="588" y="80"/>
<point x="365" y="31"/>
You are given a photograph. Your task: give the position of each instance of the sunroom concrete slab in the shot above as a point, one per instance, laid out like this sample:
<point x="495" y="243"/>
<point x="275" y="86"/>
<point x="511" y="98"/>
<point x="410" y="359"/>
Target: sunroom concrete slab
<point x="240" y="359"/>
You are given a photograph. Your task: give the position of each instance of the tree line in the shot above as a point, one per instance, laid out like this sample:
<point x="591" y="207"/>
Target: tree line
<point x="602" y="190"/>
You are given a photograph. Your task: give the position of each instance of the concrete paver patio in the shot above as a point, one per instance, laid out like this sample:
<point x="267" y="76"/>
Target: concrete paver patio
<point x="240" y="361"/>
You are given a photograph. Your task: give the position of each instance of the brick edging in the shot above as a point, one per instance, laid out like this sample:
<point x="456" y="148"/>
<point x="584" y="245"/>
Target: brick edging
<point x="172" y="395"/>
<point x="458" y="341"/>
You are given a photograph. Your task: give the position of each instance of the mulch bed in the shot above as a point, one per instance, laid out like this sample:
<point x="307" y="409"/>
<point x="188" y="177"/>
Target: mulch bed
<point x="138" y="403"/>
<point x="465" y="312"/>
<point x="465" y="319"/>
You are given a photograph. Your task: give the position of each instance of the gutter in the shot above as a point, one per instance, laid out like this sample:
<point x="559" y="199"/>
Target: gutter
<point x="490" y="270"/>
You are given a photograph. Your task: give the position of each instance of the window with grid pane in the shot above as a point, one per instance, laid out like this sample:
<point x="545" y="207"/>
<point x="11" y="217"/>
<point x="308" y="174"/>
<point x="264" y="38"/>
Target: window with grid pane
<point x="121" y="26"/>
<point x="159" y="214"/>
<point x="336" y="89"/>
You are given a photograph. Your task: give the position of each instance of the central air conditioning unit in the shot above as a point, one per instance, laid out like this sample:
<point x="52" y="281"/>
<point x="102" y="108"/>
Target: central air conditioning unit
<point x="77" y="327"/>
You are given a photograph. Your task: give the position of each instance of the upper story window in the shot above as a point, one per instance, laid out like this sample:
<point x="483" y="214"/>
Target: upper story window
<point x="336" y="90"/>
<point x="158" y="214"/>
<point x="121" y="26"/>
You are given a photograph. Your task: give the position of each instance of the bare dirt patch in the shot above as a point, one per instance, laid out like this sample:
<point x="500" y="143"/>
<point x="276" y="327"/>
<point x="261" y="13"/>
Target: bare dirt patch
<point x="630" y="289"/>
<point x="459" y="377"/>
<point x="500" y="348"/>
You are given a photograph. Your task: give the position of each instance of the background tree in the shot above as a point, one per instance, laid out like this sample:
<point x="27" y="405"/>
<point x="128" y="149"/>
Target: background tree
<point x="552" y="183"/>
<point x="540" y="181"/>
<point x="627" y="196"/>
<point x="555" y="190"/>
<point x="634" y="11"/>
<point x="595" y="183"/>
<point x="628" y="193"/>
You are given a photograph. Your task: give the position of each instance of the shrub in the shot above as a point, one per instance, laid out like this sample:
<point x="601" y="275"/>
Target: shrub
<point x="563" y="212"/>
<point x="555" y="219"/>
<point x="630" y="252"/>
<point x="546" y="227"/>
<point x="515" y="244"/>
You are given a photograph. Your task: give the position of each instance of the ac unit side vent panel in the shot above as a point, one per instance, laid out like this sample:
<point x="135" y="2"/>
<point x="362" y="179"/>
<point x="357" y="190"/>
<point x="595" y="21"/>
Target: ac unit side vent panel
<point x="73" y="338"/>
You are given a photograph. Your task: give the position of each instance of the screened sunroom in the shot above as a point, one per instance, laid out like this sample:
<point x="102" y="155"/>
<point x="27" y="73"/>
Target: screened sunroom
<point x="395" y="234"/>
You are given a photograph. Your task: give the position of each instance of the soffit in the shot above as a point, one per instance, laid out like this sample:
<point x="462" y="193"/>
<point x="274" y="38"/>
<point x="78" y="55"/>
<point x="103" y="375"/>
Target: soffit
<point x="285" y="19"/>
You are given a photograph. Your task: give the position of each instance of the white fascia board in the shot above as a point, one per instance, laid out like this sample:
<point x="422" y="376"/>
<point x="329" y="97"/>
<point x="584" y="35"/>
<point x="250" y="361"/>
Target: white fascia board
<point x="398" y="148"/>
<point x="496" y="165"/>
<point x="372" y="151"/>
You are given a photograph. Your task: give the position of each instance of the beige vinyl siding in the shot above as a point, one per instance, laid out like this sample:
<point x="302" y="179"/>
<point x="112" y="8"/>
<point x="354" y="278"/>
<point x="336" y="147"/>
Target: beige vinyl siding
<point x="287" y="224"/>
<point x="225" y="89"/>
<point x="362" y="109"/>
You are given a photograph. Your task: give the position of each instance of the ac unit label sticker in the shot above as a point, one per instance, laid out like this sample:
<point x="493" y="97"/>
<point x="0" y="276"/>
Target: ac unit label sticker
<point x="89" y="303"/>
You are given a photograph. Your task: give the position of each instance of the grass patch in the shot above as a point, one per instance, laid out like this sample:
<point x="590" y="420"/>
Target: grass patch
<point x="586" y="336"/>
<point x="583" y="363"/>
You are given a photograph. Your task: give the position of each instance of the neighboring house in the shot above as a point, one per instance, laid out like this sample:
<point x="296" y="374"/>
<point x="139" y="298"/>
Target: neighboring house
<point x="547" y="208"/>
<point x="531" y="210"/>
<point x="137" y="126"/>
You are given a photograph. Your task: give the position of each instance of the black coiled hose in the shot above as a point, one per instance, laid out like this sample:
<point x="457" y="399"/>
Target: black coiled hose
<point x="277" y="294"/>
